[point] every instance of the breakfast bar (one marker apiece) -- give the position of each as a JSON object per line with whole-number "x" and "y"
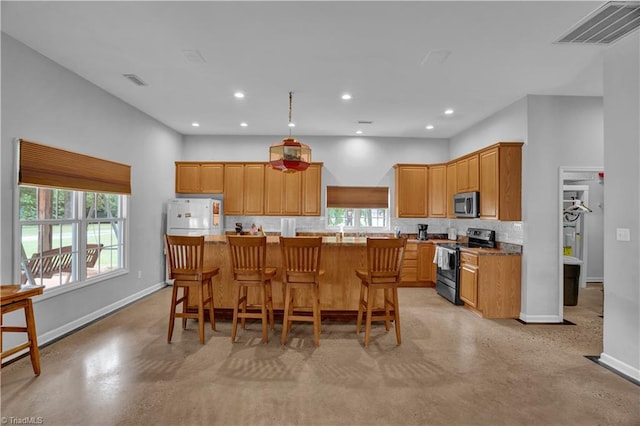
{"x": 339, "y": 287}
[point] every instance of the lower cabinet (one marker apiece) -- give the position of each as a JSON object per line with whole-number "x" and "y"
{"x": 418, "y": 269}
{"x": 490, "y": 284}
{"x": 469, "y": 279}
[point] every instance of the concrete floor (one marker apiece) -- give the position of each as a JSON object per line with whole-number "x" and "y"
{"x": 453, "y": 368}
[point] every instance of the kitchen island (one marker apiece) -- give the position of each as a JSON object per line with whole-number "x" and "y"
{"x": 339, "y": 286}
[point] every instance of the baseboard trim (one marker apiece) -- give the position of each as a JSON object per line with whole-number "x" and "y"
{"x": 632, "y": 373}
{"x": 543, "y": 319}
{"x": 73, "y": 326}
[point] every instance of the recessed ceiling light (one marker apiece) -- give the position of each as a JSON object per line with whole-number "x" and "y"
{"x": 358, "y": 132}
{"x": 195, "y": 124}
{"x": 346, "y": 96}
{"x": 448, "y": 111}
{"x": 429, "y": 127}
{"x": 243, "y": 124}
{"x": 239, "y": 95}
{"x": 292, "y": 124}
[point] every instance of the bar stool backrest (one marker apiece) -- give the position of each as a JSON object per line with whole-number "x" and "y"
{"x": 248, "y": 257}
{"x": 384, "y": 259}
{"x": 301, "y": 258}
{"x": 186, "y": 257}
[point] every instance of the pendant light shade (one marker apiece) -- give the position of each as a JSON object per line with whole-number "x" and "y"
{"x": 289, "y": 155}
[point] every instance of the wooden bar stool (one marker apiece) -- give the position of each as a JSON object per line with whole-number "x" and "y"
{"x": 301, "y": 258}
{"x": 186, "y": 267}
{"x": 384, "y": 259}
{"x": 248, "y": 261}
{"x": 16, "y": 297}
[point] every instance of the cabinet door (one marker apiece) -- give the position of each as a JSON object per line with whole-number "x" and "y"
{"x": 187, "y": 178}
{"x": 211, "y": 178}
{"x": 254, "y": 189}
{"x": 273, "y": 191}
{"x": 409, "y": 271}
{"x": 426, "y": 267}
{"x": 469, "y": 284}
{"x": 467, "y": 174}
{"x": 452, "y": 187}
{"x": 233, "y": 189}
{"x": 489, "y": 184}
{"x": 292, "y": 194}
{"x": 411, "y": 191}
{"x": 437, "y": 178}
{"x": 473, "y": 176}
{"x": 311, "y": 189}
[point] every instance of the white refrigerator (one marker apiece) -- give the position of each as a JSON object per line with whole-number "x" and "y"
{"x": 195, "y": 216}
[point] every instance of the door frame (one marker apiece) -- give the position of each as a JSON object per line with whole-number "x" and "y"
{"x": 561, "y": 171}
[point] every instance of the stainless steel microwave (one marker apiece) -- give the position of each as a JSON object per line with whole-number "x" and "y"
{"x": 466, "y": 204}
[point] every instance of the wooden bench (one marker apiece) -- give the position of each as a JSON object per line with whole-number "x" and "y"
{"x": 58, "y": 261}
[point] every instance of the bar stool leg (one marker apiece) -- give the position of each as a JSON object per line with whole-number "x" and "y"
{"x": 285, "y": 319}
{"x": 201, "y": 314}
{"x": 371, "y": 294}
{"x": 33, "y": 337}
{"x": 172, "y": 314}
{"x": 212, "y": 318}
{"x": 396, "y": 310}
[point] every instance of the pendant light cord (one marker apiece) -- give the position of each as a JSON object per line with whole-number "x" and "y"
{"x": 290, "y": 107}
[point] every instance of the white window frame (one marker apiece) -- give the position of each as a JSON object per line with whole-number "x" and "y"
{"x": 356, "y": 220}
{"x": 81, "y": 222}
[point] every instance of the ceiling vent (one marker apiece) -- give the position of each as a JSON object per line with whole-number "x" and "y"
{"x": 364, "y": 122}
{"x": 135, "y": 79}
{"x": 607, "y": 24}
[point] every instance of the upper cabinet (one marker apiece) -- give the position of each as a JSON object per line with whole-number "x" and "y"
{"x": 234, "y": 189}
{"x": 452, "y": 186}
{"x": 282, "y": 193}
{"x": 411, "y": 190}
{"x": 254, "y": 188}
{"x": 437, "y": 193}
{"x": 467, "y": 174}
{"x": 501, "y": 182}
{"x": 312, "y": 190}
{"x": 199, "y": 178}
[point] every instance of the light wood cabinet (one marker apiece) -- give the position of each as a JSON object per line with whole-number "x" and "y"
{"x": 418, "y": 269}
{"x": 411, "y": 190}
{"x": 409, "y": 271}
{"x": 427, "y": 270}
{"x": 311, "y": 190}
{"x": 199, "y": 178}
{"x": 452, "y": 187}
{"x": 501, "y": 182}
{"x": 490, "y": 284}
{"x": 469, "y": 279}
{"x": 437, "y": 200}
{"x": 467, "y": 173}
{"x": 234, "y": 189}
{"x": 282, "y": 193}
{"x": 244, "y": 189}
{"x": 254, "y": 189}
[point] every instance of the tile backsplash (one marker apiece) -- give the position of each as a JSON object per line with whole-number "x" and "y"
{"x": 506, "y": 232}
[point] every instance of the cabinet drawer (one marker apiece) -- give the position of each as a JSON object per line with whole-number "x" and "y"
{"x": 468, "y": 258}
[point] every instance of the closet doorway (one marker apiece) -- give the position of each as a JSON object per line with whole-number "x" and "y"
{"x": 581, "y": 236}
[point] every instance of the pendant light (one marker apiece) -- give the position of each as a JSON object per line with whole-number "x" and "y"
{"x": 289, "y": 155}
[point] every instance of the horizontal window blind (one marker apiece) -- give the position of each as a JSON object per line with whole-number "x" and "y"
{"x": 358, "y": 197}
{"x": 42, "y": 165}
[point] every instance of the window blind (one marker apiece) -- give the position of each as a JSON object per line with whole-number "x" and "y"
{"x": 358, "y": 197}
{"x": 42, "y": 165}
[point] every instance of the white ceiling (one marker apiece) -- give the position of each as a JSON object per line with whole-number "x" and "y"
{"x": 377, "y": 51}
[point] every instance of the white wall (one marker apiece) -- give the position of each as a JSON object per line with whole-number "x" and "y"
{"x": 622, "y": 197}
{"x": 44, "y": 102}
{"x": 562, "y": 131}
{"x": 557, "y": 130}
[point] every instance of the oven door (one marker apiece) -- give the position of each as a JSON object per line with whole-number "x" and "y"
{"x": 448, "y": 279}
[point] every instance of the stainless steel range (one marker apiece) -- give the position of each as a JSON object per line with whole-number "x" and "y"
{"x": 448, "y": 260}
